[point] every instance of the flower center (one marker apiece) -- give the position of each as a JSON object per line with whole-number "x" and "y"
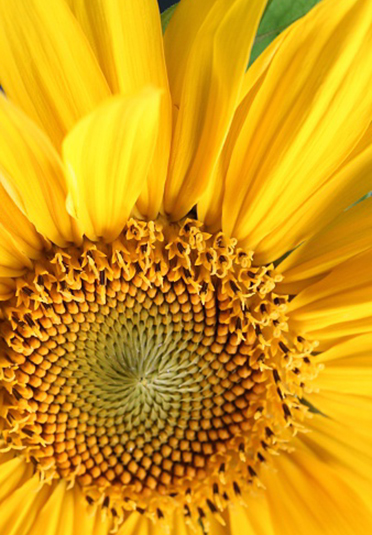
{"x": 151, "y": 368}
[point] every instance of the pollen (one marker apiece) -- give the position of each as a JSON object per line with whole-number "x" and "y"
{"x": 157, "y": 371}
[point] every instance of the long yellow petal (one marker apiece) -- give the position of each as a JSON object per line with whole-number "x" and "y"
{"x": 346, "y": 448}
{"x": 351, "y": 181}
{"x": 88, "y": 518}
{"x": 349, "y": 234}
{"x": 20, "y": 509}
{"x": 18, "y": 226}
{"x": 107, "y": 157}
{"x": 348, "y": 367}
{"x": 308, "y": 496}
{"x": 311, "y": 110}
{"x": 31, "y": 172}
{"x": 337, "y": 306}
{"x": 210, "y": 205}
{"x": 207, "y": 47}
{"x": 12, "y": 261}
{"x": 133, "y": 525}
{"x": 127, "y": 39}
{"x": 14, "y": 472}
{"x": 47, "y": 66}
{"x": 254, "y": 519}
{"x": 342, "y": 392}
{"x": 55, "y": 516}
{"x": 7, "y": 288}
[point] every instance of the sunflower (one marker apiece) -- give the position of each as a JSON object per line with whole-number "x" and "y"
{"x": 185, "y": 271}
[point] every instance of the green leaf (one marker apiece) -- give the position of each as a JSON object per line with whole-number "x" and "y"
{"x": 278, "y": 15}
{"x": 166, "y": 16}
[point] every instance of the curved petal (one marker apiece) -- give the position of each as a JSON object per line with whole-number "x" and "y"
{"x": 308, "y": 496}
{"x": 47, "y": 66}
{"x": 108, "y": 155}
{"x": 311, "y": 110}
{"x": 31, "y": 172}
{"x": 127, "y": 39}
{"x": 341, "y": 433}
{"x": 7, "y": 288}
{"x": 349, "y": 234}
{"x": 22, "y": 231}
{"x": 56, "y": 517}
{"x": 12, "y": 261}
{"x": 205, "y": 83}
{"x": 348, "y": 371}
{"x": 254, "y": 519}
{"x": 210, "y": 204}
{"x": 337, "y": 306}
{"x": 351, "y": 181}
{"x": 20, "y": 508}
{"x": 28, "y": 508}
{"x": 14, "y": 472}
{"x": 345, "y": 449}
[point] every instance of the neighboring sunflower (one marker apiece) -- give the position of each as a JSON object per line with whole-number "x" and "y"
{"x": 166, "y": 366}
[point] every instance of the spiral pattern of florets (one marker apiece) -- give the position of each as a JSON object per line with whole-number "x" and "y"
{"x": 151, "y": 369}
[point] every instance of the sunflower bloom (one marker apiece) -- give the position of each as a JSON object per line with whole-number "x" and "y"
{"x": 166, "y": 366}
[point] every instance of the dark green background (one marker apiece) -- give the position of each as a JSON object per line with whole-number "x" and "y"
{"x": 166, "y": 3}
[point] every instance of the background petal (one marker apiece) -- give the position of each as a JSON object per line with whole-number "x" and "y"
{"x": 349, "y": 234}
{"x": 31, "y": 172}
{"x": 313, "y": 107}
{"x": 47, "y": 66}
{"x": 200, "y": 42}
{"x": 127, "y": 39}
{"x": 337, "y": 306}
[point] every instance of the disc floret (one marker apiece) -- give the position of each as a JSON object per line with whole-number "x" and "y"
{"x": 157, "y": 371}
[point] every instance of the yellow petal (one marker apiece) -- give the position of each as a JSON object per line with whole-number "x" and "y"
{"x": 127, "y": 39}
{"x": 88, "y": 519}
{"x": 14, "y": 472}
{"x": 56, "y": 517}
{"x": 348, "y": 368}
{"x": 254, "y": 519}
{"x": 349, "y": 234}
{"x": 47, "y": 66}
{"x": 210, "y": 205}
{"x": 17, "y": 225}
{"x": 311, "y": 110}
{"x": 12, "y": 261}
{"x": 351, "y": 181}
{"x": 7, "y": 288}
{"x": 31, "y": 172}
{"x": 135, "y": 524}
{"x": 107, "y": 156}
{"x": 20, "y": 509}
{"x": 343, "y": 447}
{"x": 339, "y": 305}
{"x": 207, "y": 47}
{"x": 309, "y": 496}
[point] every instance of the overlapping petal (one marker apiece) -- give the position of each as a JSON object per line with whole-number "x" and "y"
{"x": 26, "y": 506}
{"x": 108, "y": 156}
{"x": 32, "y": 175}
{"x": 337, "y": 306}
{"x": 307, "y": 495}
{"x": 47, "y": 65}
{"x": 313, "y": 107}
{"x": 205, "y": 85}
{"x": 349, "y": 234}
{"x": 126, "y": 37}
{"x": 210, "y": 204}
